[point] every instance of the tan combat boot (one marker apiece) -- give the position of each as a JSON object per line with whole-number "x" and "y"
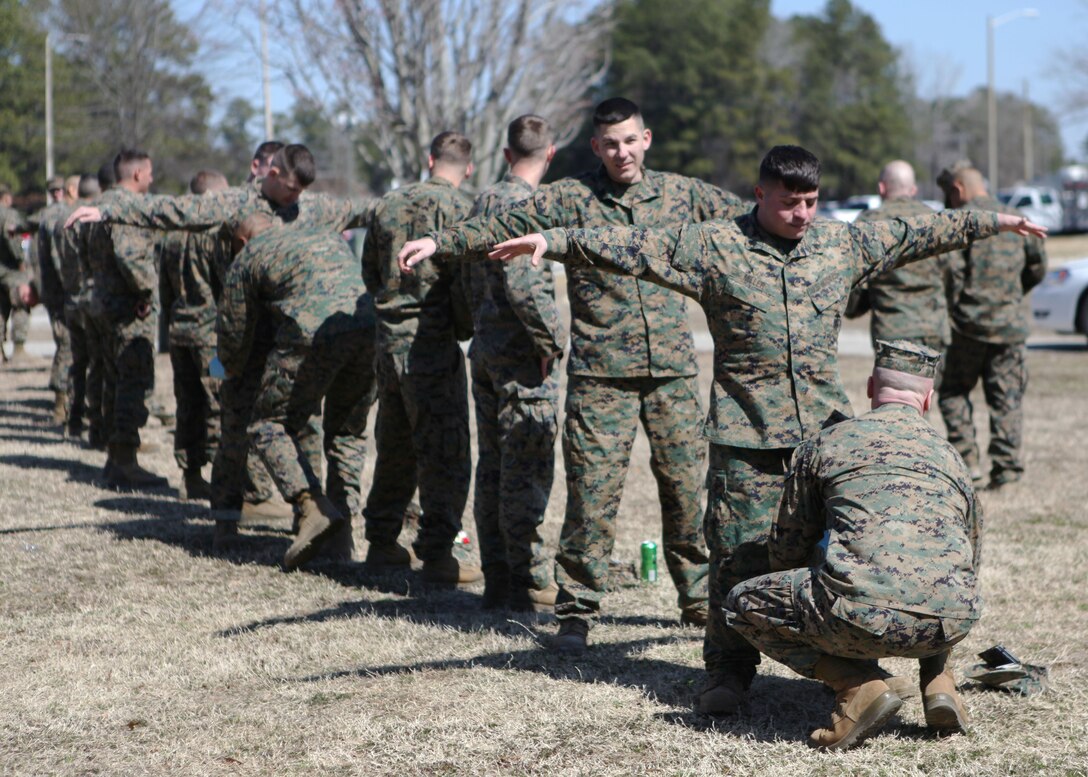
{"x": 723, "y": 693}
{"x": 863, "y": 703}
{"x": 60, "y": 408}
{"x": 318, "y": 518}
{"x": 391, "y": 555}
{"x": 572, "y": 637}
{"x": 695, "y": 615}
{"x": 268, "y": 510}
{"x": 941, "y": 702}
{"x": 451, "y": 570}
{"x": 529, "y": 599}
{"x": 196, "y": 487}
{"x": 340, "y": 546}
{"x": 125, "y": 472}
{"x": 225, "y": 537}
{"x": 19, "y": 354}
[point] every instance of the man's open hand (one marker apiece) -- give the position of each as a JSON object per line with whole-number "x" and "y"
{"x": 1007, "y": 222}
{"x": 533, "y": 244}
{"x": 414, "y": 252}
{"x": 83, "y": 213}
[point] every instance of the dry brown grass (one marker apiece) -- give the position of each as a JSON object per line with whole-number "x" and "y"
{"x": 128, "y": 648}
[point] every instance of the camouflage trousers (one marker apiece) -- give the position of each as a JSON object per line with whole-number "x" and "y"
{"x": 129, "y": 370}
{"x": 516, "y": 426}
{"x": 602, "y": 418}
{"x": 745, "y": 486}
{"x": 791, "y": 618}
{"x": 13, "y": 315}
{"x": 1004, "y": 375}
{"x": 422, "y": 439}
{"x": 196, "y": 435}
{"x": 62, "y": 356}
{"x": 340, "y": 371}
{"x": 86, "y": 378}
{"x": 238, "y": 474}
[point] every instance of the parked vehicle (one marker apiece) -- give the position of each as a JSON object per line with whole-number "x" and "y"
{"x": 1060, "y": 302}
{"x": 848, "y": 209}
{"x": 1040, "y": 204}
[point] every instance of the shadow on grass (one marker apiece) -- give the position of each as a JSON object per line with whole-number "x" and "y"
{"x": 45, "y": 437}
{"x": 78, "y": 472}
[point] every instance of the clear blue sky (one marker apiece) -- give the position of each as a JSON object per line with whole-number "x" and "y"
{"x": 943, "y": 40}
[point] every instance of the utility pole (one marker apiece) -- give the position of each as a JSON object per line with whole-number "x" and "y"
{"x": 1029, "y": 137}
{"x": 265, "y": 77}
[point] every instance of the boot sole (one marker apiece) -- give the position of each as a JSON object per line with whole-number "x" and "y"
{"x": 943, "y": 714}
{"x": 871, "y": 720}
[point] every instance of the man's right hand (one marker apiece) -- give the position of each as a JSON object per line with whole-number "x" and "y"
{"x": 83, "y": 213}
{"x": 414, "y": 252}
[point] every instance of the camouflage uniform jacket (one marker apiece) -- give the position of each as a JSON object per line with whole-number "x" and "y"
{"x": 12, "y": 265}
{"x": 67, "y": 243}
{"x": 303, "y": 282}
{"x": 193, "y": 266}
{"x": 895, "y": 503}
{"x": 990, "y": 281}
{"x": 419, "y": 314}
{"x": 908, "y": 302}
{"x": 621, "y": 327}
{"x": 50, "y": 288}
{"x": 515, "y": 318}
{"x": 774, "y": 307}
{"x": 224, "y": 210}
{"x": 122, "y": 261}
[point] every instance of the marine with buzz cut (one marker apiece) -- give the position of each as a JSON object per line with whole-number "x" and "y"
{"x": 908, "y": 302}
{"x": 874, "y": 552}
{"x": 421, "y": 433}
{"x": 517, "y": 343}
{"x": 773, "y": 284}
{"x": 632, "y": 362}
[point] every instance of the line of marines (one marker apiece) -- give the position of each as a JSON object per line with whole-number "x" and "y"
{"x": 776, "y": 563}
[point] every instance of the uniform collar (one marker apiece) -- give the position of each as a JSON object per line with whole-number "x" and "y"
{"x": 649, "y": 188}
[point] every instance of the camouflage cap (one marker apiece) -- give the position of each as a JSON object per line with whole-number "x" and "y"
{"x": 54, "y": 183}
{"x": 948, "y": 174}
{"x": 911, "y": 358}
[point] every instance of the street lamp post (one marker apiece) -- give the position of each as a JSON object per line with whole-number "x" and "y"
{"x": 992, "y": 22}
{"x": 49, "y": 36}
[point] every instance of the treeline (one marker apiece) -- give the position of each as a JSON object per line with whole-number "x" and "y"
{"x": 718, "y": 80}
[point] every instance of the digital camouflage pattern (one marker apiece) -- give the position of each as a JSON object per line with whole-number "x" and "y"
{"x": 13, "y": 274}
{"x": 774, "y": 309}
{"x": 877, "y": 547}
{"x": 193, "y": 266}
{"x": 620, "y": 327}
{"x": 990, "y": 283}
{"x": 84, "y": 380}
{"x": 224, "y": 210}
{"x": 516, "y": 323}
{"x": 908, "y": 302}
{"x": 306, "y": 284}
{"x": 51, "y": 291}
{"x": 123, "y": 262}
{"x": 422, "y": 427}
{"x": 991, "y": 280}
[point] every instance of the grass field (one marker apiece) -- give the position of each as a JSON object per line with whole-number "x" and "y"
{"x": 128, "y": 648}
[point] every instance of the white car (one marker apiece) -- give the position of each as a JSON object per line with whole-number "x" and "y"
{"x": 848, "y": 210}
{"x": 1041, "y": 205}
{"x": 1060, "y": 302}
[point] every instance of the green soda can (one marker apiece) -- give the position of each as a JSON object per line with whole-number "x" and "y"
{"x": 649, "y": 562}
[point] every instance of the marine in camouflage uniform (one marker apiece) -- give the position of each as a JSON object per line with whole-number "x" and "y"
{"x": 123, "y": 261}
{"x": 774, "y": 305}
{"x": 988, "y": 297}
{"x": 193, "y": 266}
{"x": 283, "y": 197}
{"x": 51, "y": 294}
{"x": 305, "y": 284}
{"x": 13, "y": 274}
{"x": 515, "y": 384}
{"x": 876, "y": 545}
{"x": 632, "y": 361}
{"x": 911, "y": 302}
{"x": 422, "y": 434}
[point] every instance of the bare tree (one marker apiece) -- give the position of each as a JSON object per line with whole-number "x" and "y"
{"x": 401, "y": 71}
